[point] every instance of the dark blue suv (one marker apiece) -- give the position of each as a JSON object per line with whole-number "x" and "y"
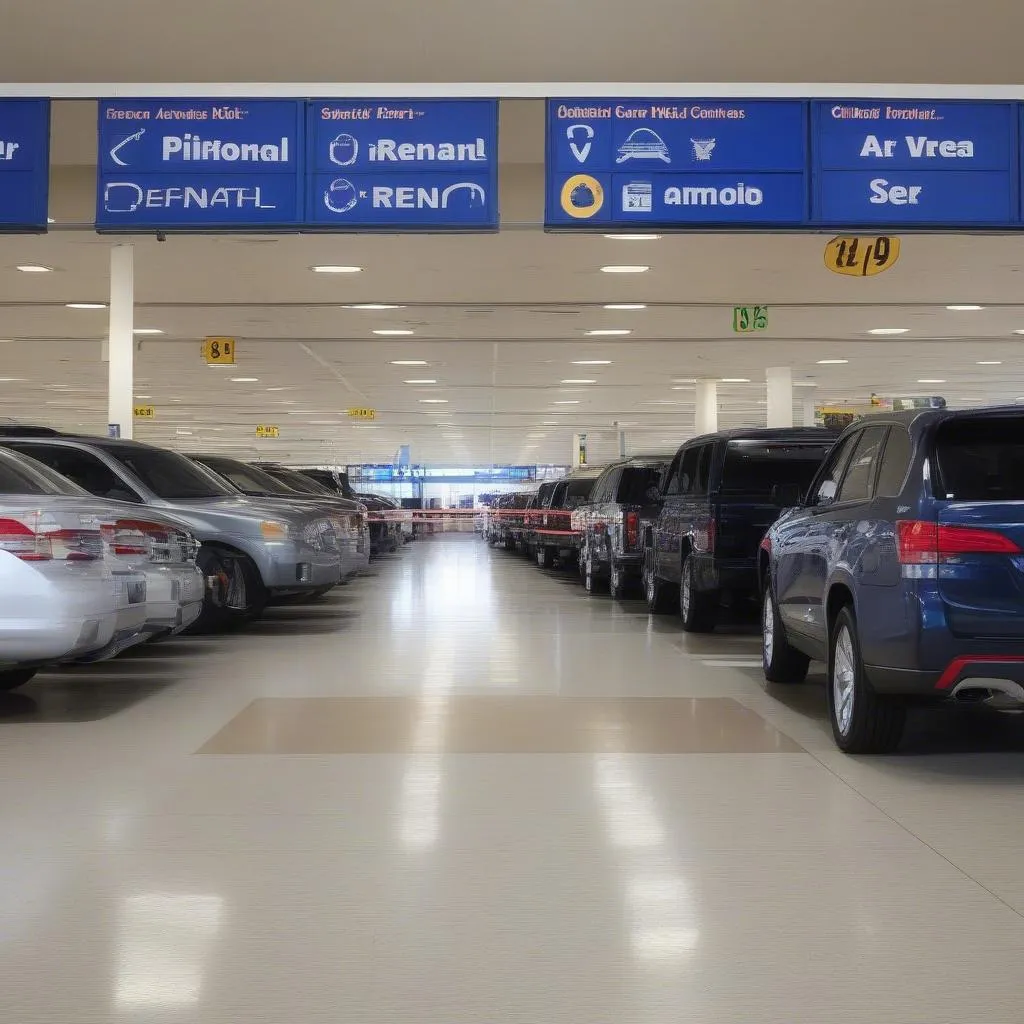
{"x": 903, "y": 571}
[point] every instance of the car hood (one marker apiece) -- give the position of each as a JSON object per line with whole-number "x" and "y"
{"x": 215, "y": 515}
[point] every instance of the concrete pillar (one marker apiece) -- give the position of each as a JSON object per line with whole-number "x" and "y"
{"x": 780, "y": 396}
{"x": 809, "y": 404}
{"x": 121, "y": 341}
{"x": 706, "y": 413}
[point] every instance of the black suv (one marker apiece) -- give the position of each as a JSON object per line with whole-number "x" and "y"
{"x": 720, "y": 494}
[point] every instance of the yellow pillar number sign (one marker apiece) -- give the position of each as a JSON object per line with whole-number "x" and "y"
{"x": 362, "y": 414}
{"x": 861, "y": 256}
{"x": 267, "y": 430}
{"x": 145, "y": 412}
{"x": 219, "y": 350}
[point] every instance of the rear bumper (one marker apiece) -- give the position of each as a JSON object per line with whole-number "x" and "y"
{"x": 964, "y": 672}
{"x": 172, "y": 593}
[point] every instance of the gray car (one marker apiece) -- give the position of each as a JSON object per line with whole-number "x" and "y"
{"x": 251, "y": 549}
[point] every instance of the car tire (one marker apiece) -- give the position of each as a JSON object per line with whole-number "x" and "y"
{"x": 863, "y": 722}
{"x": 591, "y": 576}
{"x": 545, "y": 557}
{"x": 659, "y": 597}
{"x": 698, "y": 609}
{"x": 617, "y": 581}
{"x": 15, "y": 677}
{"x": 781, "y": 662}
{"x": 229, "y": 610}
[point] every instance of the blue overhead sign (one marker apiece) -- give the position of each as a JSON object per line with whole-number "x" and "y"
{"x": 24, "y": 164}
{"x": 200, "y": 165}
{"x": 402, "y": 165}
{"x": 676, "y": 163}
{"x": 897, "y": 163}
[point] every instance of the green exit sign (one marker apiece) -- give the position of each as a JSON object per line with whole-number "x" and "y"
{"x": 748, "y": 319}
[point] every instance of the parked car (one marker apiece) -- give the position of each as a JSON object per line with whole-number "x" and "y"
{"x": 903, "y": 570}
{"x": 506, "y": 521}
{"x": 553, "y": 536}
{"x": 349, "y": 517}
{"x": 625, "y": 495}
{"x": 250, "y": 548}
{"x": 721, "y": 493}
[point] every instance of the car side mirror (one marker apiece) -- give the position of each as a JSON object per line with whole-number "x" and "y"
{"x": 826, "y": 493}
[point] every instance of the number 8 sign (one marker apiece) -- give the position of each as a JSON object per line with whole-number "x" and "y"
{"x": 219, "y": 350}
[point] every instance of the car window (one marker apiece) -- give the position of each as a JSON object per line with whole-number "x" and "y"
{"x": 19, "y": 477}
{"x": 83, "y": 468}
{"x": 248, "y": 479}
{"x": 757, "y": 469}
{"x": 702, "y": 481}
{"x": 635, "y": 484}
{"x": 607, "y": 483}
{"x": 688, "y": 470}
{"x": 577, "y": 492}
{"x": 858, "y": 483}
{"x": 169, "y": 475}
{"x": 895, "y": 463}
{"x": 980, "y": 459}
{"x": 826, "y": 486}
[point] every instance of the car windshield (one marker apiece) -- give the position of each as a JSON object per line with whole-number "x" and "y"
{"x": 297, "y": 481}
{"x": 169, "y": 475}
{"x": 636, "y": 482}
{"x": 754, "y": 468}
{"x": 577, "y": 491}
{"x": 248, "y": 479}
{"x": 17, "y": 476}
{"x": 980, "y": 459}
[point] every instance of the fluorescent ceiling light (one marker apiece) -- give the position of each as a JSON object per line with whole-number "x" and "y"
{"x": 578, "y": 380}
{"x": 184, "y": 433}
{"x": 591, "y": 362}
{"x": 832, "y": 362}
{"x": 931, "y": 380}
{"x": 408, "y": 362}
{"x": 734, "y": 380}
{"x": 35, "y": 268}
{"x": 567, "y": 401}
{"x": 393, "y": 332}
{"x": 625, "y": 305}
{"x": 805, "y": 384}
{"x": 245, "y": 380}
{"x": 137, "y": 396}
{"x": 681, "y": 387}
{"x": 990, "y": 362}
{"x": 634, "y": 237}
{"x": 434, "y": 401}
{"x": 86, "y": 305}
{"x": 335, "y": 269}
{"x": 624, "y": 269}
{"x": 536, "y": 437}
{"x": 12, "y": 380}
{"x": 372, "y": 305}
{"x": 550, "y": 423}
{"x": 609, "y": 332}
{"x": 147, "y": 330}
{"x": 291, "y": 388}
{"x": 684, "y": 380}
{"x": 424, "y": 380}
{"x": 889, "y": 330}
{"x": 964, "y": 309}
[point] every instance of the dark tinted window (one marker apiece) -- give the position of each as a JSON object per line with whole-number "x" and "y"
{"x": 980, "y": 459}
{"x": 248, "y": 479}
{"x": 687, "y": 471}
{"x": 702, "y": 481}
{"x": 17, "y": 477}
{"x": 83, "y": 468}
{"x": 895, "y": 463}
{"x": 635, "y": 482}
{"x": 169, "y": 475}
{"x": 577, "y": 491}
{"x": 753, "y": 468}
{"x": 607, "y": 484}
{"x": 858, "y": 483}
{"x": 827, "y": 484}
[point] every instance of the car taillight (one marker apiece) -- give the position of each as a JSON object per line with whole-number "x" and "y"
{"x": 632, "y": 530}
{"x": 37, "y": 543}
{"x": 125, "y": 537}
{"x": 921, "y": 543}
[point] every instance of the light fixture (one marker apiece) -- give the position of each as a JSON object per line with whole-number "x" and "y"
{"x": 634, "y": 238}
{"x": 889, "y": 330}
{"x": 805, "y": 384}
{"x": 681, "y": 387}
{"x": 734, "y": 380}
{"x": 964, "y": 309}
{"x": 184, "y": 433}
{"x": 832, "y": 362}
{"x": 567, "y": 401}
{"x": 372, "y": 305}
{"x": 609, "y": 332}
{"x": 335, "y": 269}
{"x": 137, "y": 396}
{"x": 990, "y": 362}
{"x": 549, "y": 423}
{"x": 591, "y": 362}
{"x": 434, "y": 401}
{"x": 291, "y": 388}
{"x": 1018, "y": 332}
{"x": 931, "y": 380}
{"x": 684, "y": 380}
{"x": 408, "y": 362}
{"x": 147, "y": 330}
{"x": 578, "y": 380}
{"x": 34, "y": 268}
{"x": 424, "y": 380}
{"x": 85, "y": 305}
{"x": 245, "y": 380}
{"x": 12, "y": 380}
{"x": 393, "y": 332}
{"x": 624, "y": 269}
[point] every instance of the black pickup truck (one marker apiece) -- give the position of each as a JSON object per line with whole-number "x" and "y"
{"x": 552, "y": 535}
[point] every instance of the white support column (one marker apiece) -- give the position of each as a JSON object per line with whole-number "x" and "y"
{"x": 121, "y": 340}
{"x": 809, "y": 412}
{"x": 780, "y": 396}
{"x": 706, "y": 413}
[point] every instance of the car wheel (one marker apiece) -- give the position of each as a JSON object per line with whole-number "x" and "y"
{"x": 617, "y": 581}
{"x": 238, "y": 595}
{"x": 863, "y": 722}
{"x": 781, "y": 662}
{"x": 697, "y": 609}
{"x": 659, "y": 597}
{"x": 15, "y": 677}
{"x": 591, "y": 576}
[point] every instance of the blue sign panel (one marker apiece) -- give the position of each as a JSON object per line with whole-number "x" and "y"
{"x": 24, "y": 164}
{"x": 676, "y": 163}
{"x": 199, "y": 165}
{"x": 892, "y": 163}
{"x": 402, "y": 165}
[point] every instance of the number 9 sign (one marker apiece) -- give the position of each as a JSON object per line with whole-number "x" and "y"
{"x": 854, "y": 256}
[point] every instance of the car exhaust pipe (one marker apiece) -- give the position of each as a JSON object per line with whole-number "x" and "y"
{"x": 996, "y": 693}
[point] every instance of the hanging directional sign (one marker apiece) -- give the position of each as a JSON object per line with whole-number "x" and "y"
{"x": 24, "y": 164}
{"x": 676, "y": 163}
{"x": 748, "y": 319}
{"x": 219, "y": 351}
{"x": 362, "y": 414}
{"x": 853, "y": 256}
{"x": 267, "y": 430}
{"x": 199, "y": 165}
{"x": 402, "y": 165}
{"x": 894, "y": 163}
{"x": 144, "y": 412}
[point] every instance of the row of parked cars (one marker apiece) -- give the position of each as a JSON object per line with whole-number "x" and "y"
{"x": 893, "y": 553}
{"x": 106, "y": 543}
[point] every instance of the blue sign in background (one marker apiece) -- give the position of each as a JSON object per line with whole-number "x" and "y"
{"x": 893, "y": 163}
{"x": 200, "y": 164}
{"x": 402, "y": 164}
{"x": 676, "y": 163}
{"x": 24, "y": 164}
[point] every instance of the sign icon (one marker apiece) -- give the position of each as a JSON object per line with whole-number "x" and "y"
{"x": 219, "y": 351}
{"x": 361, "y": 414}
{"x": 643, "y": 144}
{"x": 582, "y": 196}
{"x": 144, "y": 412}
{"x": 703, "y": 148}
{"x": 124, "y": 142}
{"x": 637, "y": 197}
{"x": 587, "y": 132}
{"x": 341, "y": 196}
{"x": 343, "y": 150}
{"x": 267, "y": 430}
{"x": 854, "y": 256}
{"x": 748, "y": 319}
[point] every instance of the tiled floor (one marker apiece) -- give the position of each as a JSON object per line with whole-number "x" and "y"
{"x": 463, "y": 791}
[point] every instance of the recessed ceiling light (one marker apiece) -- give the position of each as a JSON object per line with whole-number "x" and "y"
{"x": 424, "y": 380}
{"x": 567, "y": 401}
{"x": 610, "y": 332}
{"x": 12, "y": 380}
{"x": 889, "y": 330}
{"x": 735, "y": 380}
{"x": 147, "y": 330}
{"x": 625, "y": 305}
{"x": 624, "y": 269}
{"x": 292, "y": 388}
{"x": 990, "y": 362}
{"x": 86, "y": 305}
{"x": 591, "y": 362}
{"x": 434, "y": 401}
{"x": 137, "y": 396}
{"x": 35, "y": 268}
{"x": 184, "y": 433}
{"x": 964, "y": 309}
{"x": 550, "y": 423}
{"x": 536, "y": 437}
{"x": 578, "y": 380}
{"x": 634, "y": 237}
{"x": 372, "y": 305}
{"x": 682, "y": 387}
{"x": 393, "y": 332}
{"x": 931, "y": 380}
{"x": 408, "y": 362}
{"x": 832, "y": 362}
{"x": 684, "y": 380}
{"x": 245, "y": 380}
{"x": 805, "y": 384}
{"x": 335, "y": 269}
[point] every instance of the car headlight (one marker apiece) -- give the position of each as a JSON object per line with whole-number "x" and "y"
{"x": 273, "y": 530}
{"x": 320, "y": 535}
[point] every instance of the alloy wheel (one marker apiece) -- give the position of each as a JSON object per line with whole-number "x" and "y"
{"x": 768, "y": 628}
{"x": 844, "y": 678}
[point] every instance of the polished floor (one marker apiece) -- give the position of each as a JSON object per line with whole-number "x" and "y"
{"x": 460, "y": 790}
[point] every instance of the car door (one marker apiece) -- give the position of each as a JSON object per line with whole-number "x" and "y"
{"x": 677, "y": 515}
{"x": 660, "y": 530}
